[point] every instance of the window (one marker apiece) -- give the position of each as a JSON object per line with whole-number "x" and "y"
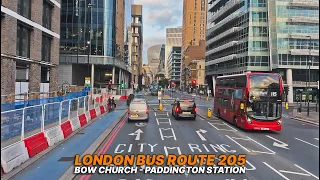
{"x": 47, "y": 14}
{"x": 24, "y": 8}
{"x": 23, "y": 41}
{"x": 259, "y": 17}
{"x": 46, "y": 48}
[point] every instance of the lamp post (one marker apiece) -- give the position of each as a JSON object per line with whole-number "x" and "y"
{"x": 308, "y": 109}
{"x": 309, "y": 59}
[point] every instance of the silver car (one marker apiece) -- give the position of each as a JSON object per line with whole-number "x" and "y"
{"x": 138, "y": 110}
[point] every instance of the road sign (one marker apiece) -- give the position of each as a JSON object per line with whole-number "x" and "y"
{"x": 87, "y": 81}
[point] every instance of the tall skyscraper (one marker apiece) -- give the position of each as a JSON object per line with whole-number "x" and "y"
{"x": 265, "y": 36}
{"x": 137, "y": 43}
{"x": 173, "y": 38}
{"x": 193, "y": 29}
{"x": 92, "y": 43}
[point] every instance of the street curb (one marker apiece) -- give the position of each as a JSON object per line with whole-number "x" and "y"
{"x": 303, "y": 120}
{"x": 23, "y": 166}
{"x": 94, "y": 146}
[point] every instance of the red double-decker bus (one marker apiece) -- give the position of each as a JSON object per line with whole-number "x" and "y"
{"x": 251, "y": 101}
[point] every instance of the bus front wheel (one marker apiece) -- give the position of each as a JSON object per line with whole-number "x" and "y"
{"x": 235, "y": 121}
{"x": 219, "y": 113}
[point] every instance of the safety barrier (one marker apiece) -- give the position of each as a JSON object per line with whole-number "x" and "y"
{"x": 28, "y": 131}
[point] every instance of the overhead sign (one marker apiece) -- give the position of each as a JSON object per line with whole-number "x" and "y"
{"x": 87, "y": 81}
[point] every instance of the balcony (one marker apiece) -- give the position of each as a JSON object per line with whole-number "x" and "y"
{"x": 229, "y": 5}
{"x": 222, "y": 59}
{"x": 135, "y": 34}
{"x": 220, "y": 48}
{"x": 135, "y": 43}
{"x": 210, "y": 6}
{"x": 301, "y": 3}
{"x": 304, "y": 52}
{"x": 224, "y": 21}
{"x": 228, "y": 32}
{"x": 302, "y": 19}
{"x": 304, "y": 36}
{"x": 136, "y": 24}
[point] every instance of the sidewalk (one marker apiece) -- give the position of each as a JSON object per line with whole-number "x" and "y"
{"x": 313, "y": 117}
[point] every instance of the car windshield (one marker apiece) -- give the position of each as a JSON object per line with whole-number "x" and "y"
{"x": 139, "y": 96}
{"x": 261, "y": 110}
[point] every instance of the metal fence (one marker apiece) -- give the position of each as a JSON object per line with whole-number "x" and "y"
{"x": 18, "y": 124}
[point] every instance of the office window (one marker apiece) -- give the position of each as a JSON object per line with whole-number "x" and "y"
{"x": 23, "y": 41}
{"x": 46, "y": 48}
{"x": 47, "y": 14}
{"x": 24, "y": 8}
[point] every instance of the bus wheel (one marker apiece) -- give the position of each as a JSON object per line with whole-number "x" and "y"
{"x": 219, "y": 113}
{"x": 235, "y": 121}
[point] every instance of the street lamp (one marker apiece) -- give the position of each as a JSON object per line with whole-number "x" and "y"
{"x": 88, "y": 44}
{"x": 309, "y": 64}
{"x": 309, "y": 59}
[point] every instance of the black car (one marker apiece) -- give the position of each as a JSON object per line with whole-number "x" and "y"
{"x": 184, "y": 108}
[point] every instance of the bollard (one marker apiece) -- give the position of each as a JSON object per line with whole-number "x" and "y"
{"x": 207, "y": 99}
{"x": 209, "y": 112}
{"x": 160, "y": 106}
{"x": 287, "y": 105}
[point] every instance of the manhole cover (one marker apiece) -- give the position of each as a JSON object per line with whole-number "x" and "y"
{"x": 65, "y": 159}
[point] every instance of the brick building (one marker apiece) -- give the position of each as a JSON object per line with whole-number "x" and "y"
{"x": 29, "y": 45}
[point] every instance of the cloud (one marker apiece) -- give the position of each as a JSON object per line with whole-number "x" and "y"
{"x": 161, "y": 18}
{"x": 153, "y": 3}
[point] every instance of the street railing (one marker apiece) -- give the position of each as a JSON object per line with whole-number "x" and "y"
{"x": 19, "y": 124}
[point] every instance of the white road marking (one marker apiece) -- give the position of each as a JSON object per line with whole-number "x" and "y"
{"x": 169, "y": 121}
{"x": 166, "y": 150}
{"x": 223, "y": 124}
{"x": 306, "y": 142}
{"x": 140, "y": 124}
{"x": 200, "y": 135}
{"x": 238, "y": 144}
{"x": 281, "y": 145}
{"x": 316, "y": 139}
{"x": 162, "y": 136}
{"x": 272, "y": 152}
{"x": 276, "y": 171}
{"x": 137, "y": 133}
{"x": 306, "y": 171}
{"x": 290, "y": 172}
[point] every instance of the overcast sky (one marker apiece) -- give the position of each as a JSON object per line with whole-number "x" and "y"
{"x": 157, "y": 16}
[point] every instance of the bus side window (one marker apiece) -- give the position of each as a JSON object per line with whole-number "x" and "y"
{"x": 238, "y": 94}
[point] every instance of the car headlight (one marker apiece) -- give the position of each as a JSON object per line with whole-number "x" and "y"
{"x": 279, "y": 121}
{"x": 249, "y": 120}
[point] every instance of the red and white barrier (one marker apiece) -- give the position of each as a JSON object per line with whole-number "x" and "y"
{"x": 13, "y": 156}
{"x": 16, "y": 154}
{"x": 54, "y": 135}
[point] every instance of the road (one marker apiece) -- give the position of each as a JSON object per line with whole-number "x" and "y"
{"x": 292, "y": 153}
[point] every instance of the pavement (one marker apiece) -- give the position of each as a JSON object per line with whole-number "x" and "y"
{"x": 270, "y": 155}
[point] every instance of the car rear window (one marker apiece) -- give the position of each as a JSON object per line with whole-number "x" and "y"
{"x": 186, "y": 103}
{"x": 138, "y": 106}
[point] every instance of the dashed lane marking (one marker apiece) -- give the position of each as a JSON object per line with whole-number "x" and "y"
{"x": 306, "y": 142}
{"x": 316, "y": 139}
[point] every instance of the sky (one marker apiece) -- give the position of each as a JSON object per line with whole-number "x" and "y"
{"x": 157, "y": 15}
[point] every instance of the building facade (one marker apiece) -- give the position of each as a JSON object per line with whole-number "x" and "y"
{"x": 197, "y": 71}
{"x": 90, "y": 43}
{"x": 196, "y": 52}
{"x": 174, "y": 64}
{"x": 193, "y": 29}
{"x": 30, "y": 33}
{"x": 279, "y": 36}
{"x": 137, "y": 43}
{"x": 153, "y": 55}
{"x": 173, "y": 38}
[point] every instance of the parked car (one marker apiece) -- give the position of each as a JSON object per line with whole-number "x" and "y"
{"x": 138, "y": 110}
{"x": 184, "y": 108}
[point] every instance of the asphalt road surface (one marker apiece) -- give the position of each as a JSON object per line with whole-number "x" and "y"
{"x": 291, "y": 154}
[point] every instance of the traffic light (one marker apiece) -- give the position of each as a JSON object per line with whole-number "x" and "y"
{"x": 172, "y": 84}
{"x": 122, "y": 85}
{"x": 194, "y": 82}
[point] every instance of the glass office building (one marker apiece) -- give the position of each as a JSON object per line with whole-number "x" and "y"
{"x": 264, "y": 36}
{"x": 81, "y": 22}
{"x": 88, "y": 43}
{"x": 174, "y": 64}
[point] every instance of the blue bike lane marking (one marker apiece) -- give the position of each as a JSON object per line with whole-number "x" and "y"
{"x": 49, "y": 167}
